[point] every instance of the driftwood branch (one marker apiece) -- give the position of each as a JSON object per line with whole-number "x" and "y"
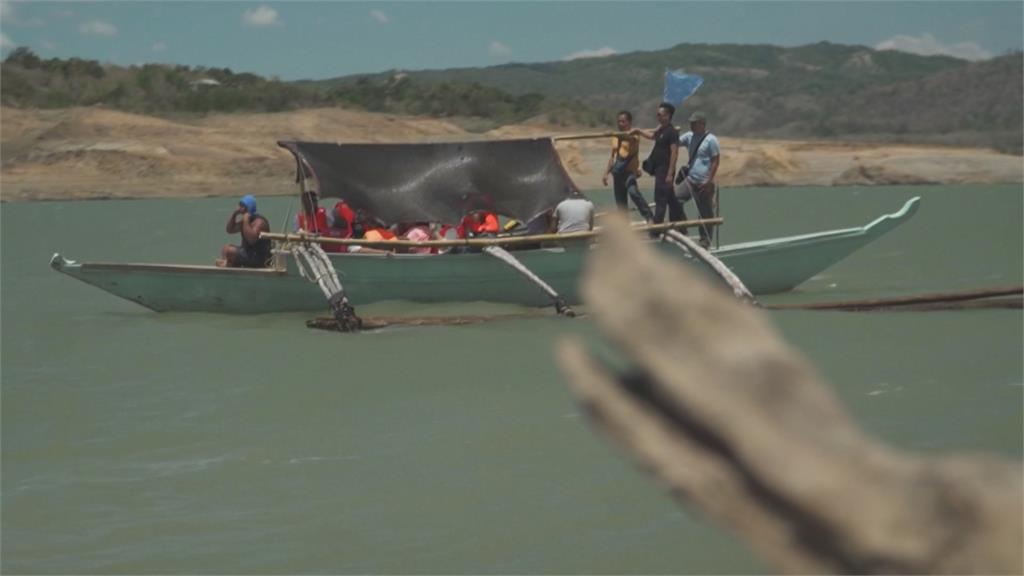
{"x": 735, "y": 422}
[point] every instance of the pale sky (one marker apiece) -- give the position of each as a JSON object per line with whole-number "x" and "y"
{"x": 302, "y": 39}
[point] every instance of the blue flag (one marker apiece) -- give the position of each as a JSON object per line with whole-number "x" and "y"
{"x": 680, "y": 86}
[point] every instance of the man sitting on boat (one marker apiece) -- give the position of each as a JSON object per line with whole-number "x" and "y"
{"x": 253, "y": 252}
{"x": 574, "y": 214}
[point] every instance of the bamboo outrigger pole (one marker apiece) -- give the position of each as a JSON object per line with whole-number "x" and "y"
{"x": 482, "y": 242}
{"x": 595, "y": 135}
{"x": 684, "y": 242}
{"x": 501, "y": 254}
{"x": 592, "y": 136}
{"x": 315, "y": 266}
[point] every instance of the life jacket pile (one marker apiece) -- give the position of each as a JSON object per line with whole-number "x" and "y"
{"x": 470, "y": 224}
{"x": 318, "y": 225}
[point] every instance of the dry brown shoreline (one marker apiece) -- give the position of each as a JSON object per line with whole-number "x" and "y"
{"x": 92, "y": 153}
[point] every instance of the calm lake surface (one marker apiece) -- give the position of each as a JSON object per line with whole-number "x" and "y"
{"x": 136, "y": 442}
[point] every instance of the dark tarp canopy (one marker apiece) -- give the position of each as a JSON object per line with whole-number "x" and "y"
{"x": 438, "y": 182}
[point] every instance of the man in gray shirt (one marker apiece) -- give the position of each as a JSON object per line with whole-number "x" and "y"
{"x": 574, "y": 214}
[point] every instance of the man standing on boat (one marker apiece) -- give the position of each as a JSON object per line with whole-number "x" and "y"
{"x": 662, "y": 164}
{"x": 699, "y": 173}
{"x": 624, "y": 167}
{"x": 253, "y": 252}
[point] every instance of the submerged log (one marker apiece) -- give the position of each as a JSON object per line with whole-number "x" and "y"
{"x": 1003, "y": 297}
{"x": 738, "y": 424}
{"x": 380, "y": 322}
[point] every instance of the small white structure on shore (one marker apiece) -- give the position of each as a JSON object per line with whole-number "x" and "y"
{"x": 204, "y": 83}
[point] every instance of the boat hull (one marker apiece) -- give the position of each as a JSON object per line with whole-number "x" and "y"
{"x": 766, "y": 267}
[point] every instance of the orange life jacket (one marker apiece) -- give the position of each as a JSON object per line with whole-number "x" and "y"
{"x": 385, "y": 234}
{"x": 470, "y": 223}
{"x": 490, "y": 223}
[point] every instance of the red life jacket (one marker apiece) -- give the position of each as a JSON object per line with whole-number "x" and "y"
{"x": 343, "y": 210}
{"x": 469, "y": 225}
{"x": 336, "y": 233}
{"x": 318, "y": 225}
{"x": 489, "y": 223}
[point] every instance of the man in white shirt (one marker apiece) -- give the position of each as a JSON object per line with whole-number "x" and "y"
{"x": 574, "y": 214}
{"x": 703, "y": 152}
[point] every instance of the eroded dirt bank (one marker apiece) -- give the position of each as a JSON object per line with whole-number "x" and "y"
{"x": 95, "y": 153}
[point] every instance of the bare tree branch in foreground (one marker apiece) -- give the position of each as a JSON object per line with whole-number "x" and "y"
{"x": 740, "y": 425}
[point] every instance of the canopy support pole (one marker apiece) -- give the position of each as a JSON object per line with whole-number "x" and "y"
{"x": 501, "y": 254}
{"x": 315, "y": 266}
{"x": 685, "y": 243}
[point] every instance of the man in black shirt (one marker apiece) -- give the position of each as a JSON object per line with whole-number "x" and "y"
{"x": 662, "y": 164}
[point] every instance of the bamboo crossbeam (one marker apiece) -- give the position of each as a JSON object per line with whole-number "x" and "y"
{"x": 590, "y": 136}
{"x": 480, "y": 242}
{"x": 595, "y": 135}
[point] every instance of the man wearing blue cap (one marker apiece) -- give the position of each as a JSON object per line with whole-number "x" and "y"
{"x": 253, "y": 252}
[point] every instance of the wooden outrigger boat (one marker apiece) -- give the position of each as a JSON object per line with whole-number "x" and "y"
{"x": 765, "y": 267}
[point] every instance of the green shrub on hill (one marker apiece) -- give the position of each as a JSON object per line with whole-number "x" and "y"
{"x": 400, "y": 95}
{"x": 30, "y": 81}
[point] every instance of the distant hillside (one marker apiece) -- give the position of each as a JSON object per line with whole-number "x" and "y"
{"x": 819, "y": 90}
{"x": 823, "y": 90}
{"x": 29, "y": 81}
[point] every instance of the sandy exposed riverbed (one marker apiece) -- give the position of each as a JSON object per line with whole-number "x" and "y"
{"x": 95, "y": 153}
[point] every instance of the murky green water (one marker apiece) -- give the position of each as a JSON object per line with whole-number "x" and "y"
{"x": 135, "y": 442}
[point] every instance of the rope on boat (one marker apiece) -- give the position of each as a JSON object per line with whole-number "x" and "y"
{"x": 685, "y": 243}
{"x": 501, "y": 254}
{"x": 314, "y": 265}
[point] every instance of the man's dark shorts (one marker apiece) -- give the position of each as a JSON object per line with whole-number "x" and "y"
{"x": 246, "y": 259}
